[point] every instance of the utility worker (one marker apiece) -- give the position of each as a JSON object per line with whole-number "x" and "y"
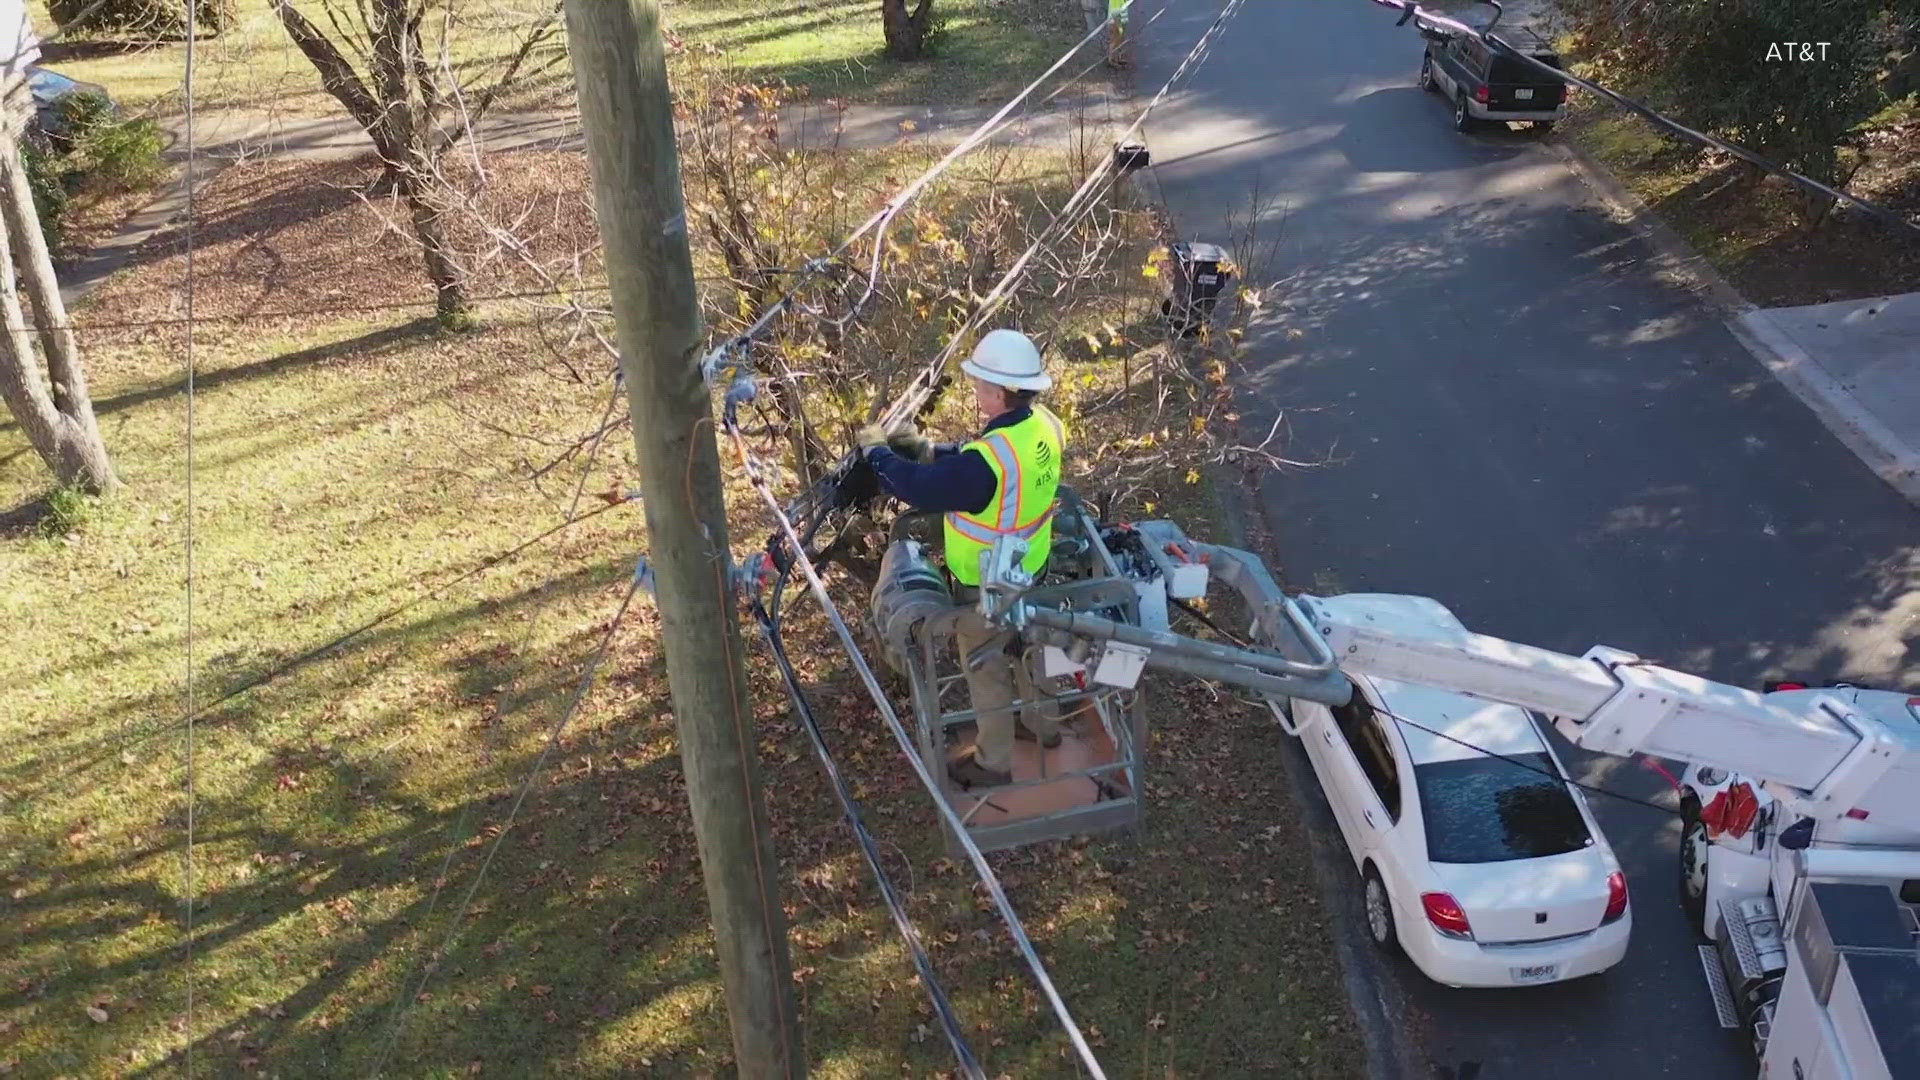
{"x": 1001, "y": 483}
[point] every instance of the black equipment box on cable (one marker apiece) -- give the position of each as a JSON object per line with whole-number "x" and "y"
{"x": 1200, "y": 275}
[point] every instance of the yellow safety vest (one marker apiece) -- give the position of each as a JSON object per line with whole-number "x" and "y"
{"x": 1117, "y": 9}
{"x": 1026, "y": 459}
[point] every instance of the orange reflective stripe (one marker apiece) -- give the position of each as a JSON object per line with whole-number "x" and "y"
{"x": 1034, "y": 525}
{"x": 1010, "y": 481}
{"x": 971, "y": 530}
{"x": 983, "y": 533}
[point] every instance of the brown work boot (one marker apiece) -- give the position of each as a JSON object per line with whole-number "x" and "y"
{"x": 1051, "y": 742}
{"x": 969, "y": 773}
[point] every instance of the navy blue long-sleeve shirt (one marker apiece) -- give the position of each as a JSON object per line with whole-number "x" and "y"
{"x": 957, "y": 481}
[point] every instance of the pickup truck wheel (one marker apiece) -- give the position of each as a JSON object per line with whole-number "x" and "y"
{"x": 1426, "y": 73}
{"x": 1693, "y": 865}
{"x": 1379, "y": 912}
{"x": 1462, "y": 116}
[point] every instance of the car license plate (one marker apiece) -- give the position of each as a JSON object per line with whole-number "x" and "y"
{"x": 1523, "y": 95}
{"x": 1536, "y": 973}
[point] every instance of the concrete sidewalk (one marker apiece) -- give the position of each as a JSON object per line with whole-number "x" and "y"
{"x": 241, "y": 134}
{"x": 230, "y": 136}
{"x": 1856, "y": 364}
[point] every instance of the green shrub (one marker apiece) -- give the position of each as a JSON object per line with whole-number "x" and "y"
{"x": 1720, "y": 66}
{"x": 46, "y": 177}
{"x": 120, "y": 153}
{"x": 140, "y": 18}
{"x": 81, "y": 113}
{"x": 68, "y": 510}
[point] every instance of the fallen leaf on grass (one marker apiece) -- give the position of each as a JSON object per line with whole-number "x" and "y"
{"x": 97, "y": 1014}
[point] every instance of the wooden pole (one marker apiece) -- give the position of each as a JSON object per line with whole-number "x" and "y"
{"x": 626, "y": 110}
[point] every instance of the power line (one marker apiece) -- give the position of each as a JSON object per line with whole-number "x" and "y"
{"x": 1413, "y": 10}
{"x": 952, "y": 820}
{"x": 850, "y": 810}
{"x": 1085, "y": 196}
{"x": 742, "y": 389}
{"x": 403, "y": 1000}
{"x": 192, "y": 791}
{"x": 881, "y": 221}
{"x": 580, "y": 693}
{"x": 1530, "y": 767}
{"x": 331, "y": 309}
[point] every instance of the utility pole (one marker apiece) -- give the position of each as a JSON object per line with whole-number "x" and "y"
{"x": 626, "y": 109}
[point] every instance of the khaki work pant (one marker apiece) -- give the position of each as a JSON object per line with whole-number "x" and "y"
{"x": 993, "y": 686}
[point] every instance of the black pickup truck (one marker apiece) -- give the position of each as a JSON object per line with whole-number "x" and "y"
{"x": 1484, "y": 83}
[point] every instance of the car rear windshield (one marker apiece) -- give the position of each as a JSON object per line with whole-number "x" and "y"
{"x": 1507, "y": 71}
{"x": 1490, "y": 809}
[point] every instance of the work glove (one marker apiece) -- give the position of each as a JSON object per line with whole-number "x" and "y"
{"x": 903, "y": 439}
{"x": 911, "y": 445}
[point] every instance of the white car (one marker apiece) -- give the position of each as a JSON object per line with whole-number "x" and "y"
{"x": 1486, "y": 870}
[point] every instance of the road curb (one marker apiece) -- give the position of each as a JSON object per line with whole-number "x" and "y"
{"x": 1889, "y": 456}
{"x": 1390, "y": 1048}
{"x": 1390, "y": 1051}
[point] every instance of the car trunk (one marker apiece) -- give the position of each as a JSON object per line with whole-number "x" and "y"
{"x": 1530, "y": 899}
{"x": 1513, "y": 86}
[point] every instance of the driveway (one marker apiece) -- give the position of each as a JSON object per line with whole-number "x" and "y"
{"x": 1523, "y": 422}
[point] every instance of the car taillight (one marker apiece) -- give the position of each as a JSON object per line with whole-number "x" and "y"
{"x": 1445, "y": 915}
{"x": 1482, "y": 94}
{"x": 1616, "y": 897}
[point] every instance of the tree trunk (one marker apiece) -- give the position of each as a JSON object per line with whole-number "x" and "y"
{"x": 428, "y": 209}
{"x": 906, "y": 31}
{"x": 405, "y": 99}
{"x": 397, "y": 113}
{"x": 54, "y": 411}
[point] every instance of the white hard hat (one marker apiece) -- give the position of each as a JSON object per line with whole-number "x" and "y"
{"x": 1008, "y": 358}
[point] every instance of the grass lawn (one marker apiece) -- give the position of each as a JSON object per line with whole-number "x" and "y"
{"x": 830, "y": 47}
{"x": 1752, "y": 236}
{"x": 346, "y": 463}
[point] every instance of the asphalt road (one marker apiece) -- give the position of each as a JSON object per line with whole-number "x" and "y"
{"x": 1521, "y": 421}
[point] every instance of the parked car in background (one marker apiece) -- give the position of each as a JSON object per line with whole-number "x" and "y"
{"x": 1485, "y": 84}
{"x": 55, "y": 96}
{"x": 1477, "y": 857}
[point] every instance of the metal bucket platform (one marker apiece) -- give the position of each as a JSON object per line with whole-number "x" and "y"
{"x": 1090, "y": 783}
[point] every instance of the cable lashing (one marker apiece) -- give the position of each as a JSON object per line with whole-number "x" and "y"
{"x": 930, "y": 379}
{"x": 882, "y": 219}
{"x": 727, "y": 363}
{"x": 952, "y": 820}
{"x": 1083, "y": 197}
{"x": 850, "y": 810}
